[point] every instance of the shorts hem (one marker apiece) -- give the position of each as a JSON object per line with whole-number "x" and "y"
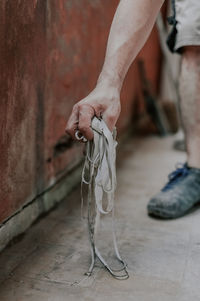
{"x": 194, "y": 41}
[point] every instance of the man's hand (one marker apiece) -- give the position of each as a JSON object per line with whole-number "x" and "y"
{"x": 104, "y": 102}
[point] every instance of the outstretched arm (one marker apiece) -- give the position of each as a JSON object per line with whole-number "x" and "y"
{"x": 131, "y": 26}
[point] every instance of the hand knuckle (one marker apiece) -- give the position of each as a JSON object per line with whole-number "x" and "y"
{"x": 82, "y": 107}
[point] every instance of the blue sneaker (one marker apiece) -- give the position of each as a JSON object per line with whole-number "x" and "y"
{"x": 179, "y": 195}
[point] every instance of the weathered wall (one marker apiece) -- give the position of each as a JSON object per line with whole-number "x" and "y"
{"x": 50, "y": 55}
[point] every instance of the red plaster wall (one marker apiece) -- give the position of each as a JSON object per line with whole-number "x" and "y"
{"x": 50, "y": 55}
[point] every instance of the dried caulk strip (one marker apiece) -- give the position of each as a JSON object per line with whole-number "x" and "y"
{"x": 99, "y": 174}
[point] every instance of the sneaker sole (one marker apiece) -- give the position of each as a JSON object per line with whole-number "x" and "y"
{"x": 164, "y": 214}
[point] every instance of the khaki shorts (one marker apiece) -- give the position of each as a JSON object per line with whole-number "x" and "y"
{"x": 186, "y": 31}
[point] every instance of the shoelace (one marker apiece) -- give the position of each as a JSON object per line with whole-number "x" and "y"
{"x": 99, "y": 174}
{"x": 181, "y": 171}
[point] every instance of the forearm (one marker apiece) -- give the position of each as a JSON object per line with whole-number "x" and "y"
{"x": 132, "y": 24}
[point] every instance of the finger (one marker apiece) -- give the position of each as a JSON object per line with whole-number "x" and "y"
{"x": 72, "y": 123}
{"x": 86, "y": 113}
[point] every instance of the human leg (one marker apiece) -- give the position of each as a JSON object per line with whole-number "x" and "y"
{"x": 182, "y": 191}
{"x": 189, "y": 90}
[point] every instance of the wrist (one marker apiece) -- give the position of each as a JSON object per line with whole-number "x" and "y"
{"x": 108, "y": 80}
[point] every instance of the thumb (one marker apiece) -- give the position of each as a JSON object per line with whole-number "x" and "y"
{"x": 110, "y": 117}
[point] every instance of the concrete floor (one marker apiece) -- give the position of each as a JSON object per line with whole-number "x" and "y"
{"x": 49, "y": 261}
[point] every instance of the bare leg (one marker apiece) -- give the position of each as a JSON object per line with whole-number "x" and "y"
{"x": 189, "y": 89}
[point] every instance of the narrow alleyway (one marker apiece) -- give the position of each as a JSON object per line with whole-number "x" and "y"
{"x": 163, "y": 257}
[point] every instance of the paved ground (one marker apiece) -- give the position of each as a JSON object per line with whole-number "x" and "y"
{"x": 48, "y": 263}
